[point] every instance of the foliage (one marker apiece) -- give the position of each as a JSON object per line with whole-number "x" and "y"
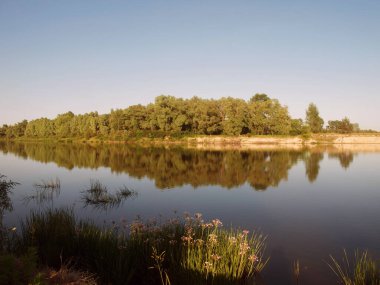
{"x": 343, "y": 126}
{"x": 313, "y": 120}
{"x": 168, "y": 115}
{"x": 297, "y": 127}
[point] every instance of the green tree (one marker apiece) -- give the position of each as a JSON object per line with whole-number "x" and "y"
{"x": 40, "y": 128}
{"x": 298, "y": 127}
{"x": 103, "y": 124}
{"x": 117, "y": 120}
{"x": 234, "y": 113}
{"x": 343, "y": 126}
{"x": 259, "y": 98}
{"x": 3, "y": 131}
{"x": 313, "y": 119}
{"x": 205, "y": 116}
{"x": 17, "y": 130}
{"x": 62, "y": 124}
{"x": 267, "y": 116}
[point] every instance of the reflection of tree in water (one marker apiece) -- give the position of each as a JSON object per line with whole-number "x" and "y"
{"x": 269, "y": 168}
{"x": 312, "y": 161}
{"x": 345, "y": 158}
{"x": 176, "y": 166}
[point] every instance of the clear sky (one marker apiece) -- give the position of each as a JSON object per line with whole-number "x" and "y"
{"x": 81, "y": 56}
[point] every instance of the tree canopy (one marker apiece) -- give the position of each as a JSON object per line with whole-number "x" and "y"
{"x": 313, "y": 120}
{"x": 169, "y": 115}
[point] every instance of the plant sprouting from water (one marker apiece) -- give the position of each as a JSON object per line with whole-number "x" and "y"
{"x": 359, "y": 270}
{"x": 296, "y": 270}
{"x": 6, "y": 187}
{"x": 51, "y": 184}
{"x": 98, "y": 196}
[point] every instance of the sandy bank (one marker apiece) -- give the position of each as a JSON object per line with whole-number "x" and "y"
{"x": 325, "y": 142}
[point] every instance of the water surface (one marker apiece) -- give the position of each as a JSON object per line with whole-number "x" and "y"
{"x": 311, "y": 202}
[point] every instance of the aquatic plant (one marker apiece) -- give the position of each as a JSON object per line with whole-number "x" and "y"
{"x": 213, "y": 251}
{"x": 42, "y": 196}
{"x": 190, "y": 251}
{"x": 98, "y": 196}
{"x": 49, "y": 184}
{"x": 359, "y": 270}
{"x": 6, "y": 187}
{"x": 52, "y": 232}
{"x": 296, "y": 270}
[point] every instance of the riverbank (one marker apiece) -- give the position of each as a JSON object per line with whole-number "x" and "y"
{"x": 359, "y": 142}
{"x": 334, "y": 139}
{"x": 335, "y": 143}
{"x": 323, "y": 138}
{"x": 316, "y": 142}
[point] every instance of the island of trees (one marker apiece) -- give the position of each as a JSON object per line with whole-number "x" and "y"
{"x": 170, "y": 116}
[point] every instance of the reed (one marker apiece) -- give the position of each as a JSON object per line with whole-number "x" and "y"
{"x": 296, "y": 270}
{"x": 189, "y": 251}
{"x": 49, "y": 184}
{"x": 359, "y": 270}
{"x": 98, "y": 196}
{"x": 214, "y": 252}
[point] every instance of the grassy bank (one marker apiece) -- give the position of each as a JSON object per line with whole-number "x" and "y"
{"x": 187, "y": 251}
{"x": 55, "y": 248}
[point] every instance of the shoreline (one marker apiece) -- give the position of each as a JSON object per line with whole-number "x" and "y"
{"x": 316, "y": 142}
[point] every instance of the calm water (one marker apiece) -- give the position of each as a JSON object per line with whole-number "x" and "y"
{"x": 310, "y": 203}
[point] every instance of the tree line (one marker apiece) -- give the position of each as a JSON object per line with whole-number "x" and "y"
{"x": 168, "y": 115}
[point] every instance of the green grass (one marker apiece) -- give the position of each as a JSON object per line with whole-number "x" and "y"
{"x": 190, "y": 251}
{"x": 359, "y": 270}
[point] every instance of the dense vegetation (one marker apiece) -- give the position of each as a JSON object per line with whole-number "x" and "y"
{"x": 169, "y": 115}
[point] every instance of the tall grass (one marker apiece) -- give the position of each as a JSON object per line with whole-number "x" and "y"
{"x": 52, "y": 232}
{"x": 214, "y": 252}
{"x": 186, "y": 251}
{"x": 359, "y": 270}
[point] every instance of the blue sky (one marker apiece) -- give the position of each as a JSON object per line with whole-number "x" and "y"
{"x": 83, "y": 56}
